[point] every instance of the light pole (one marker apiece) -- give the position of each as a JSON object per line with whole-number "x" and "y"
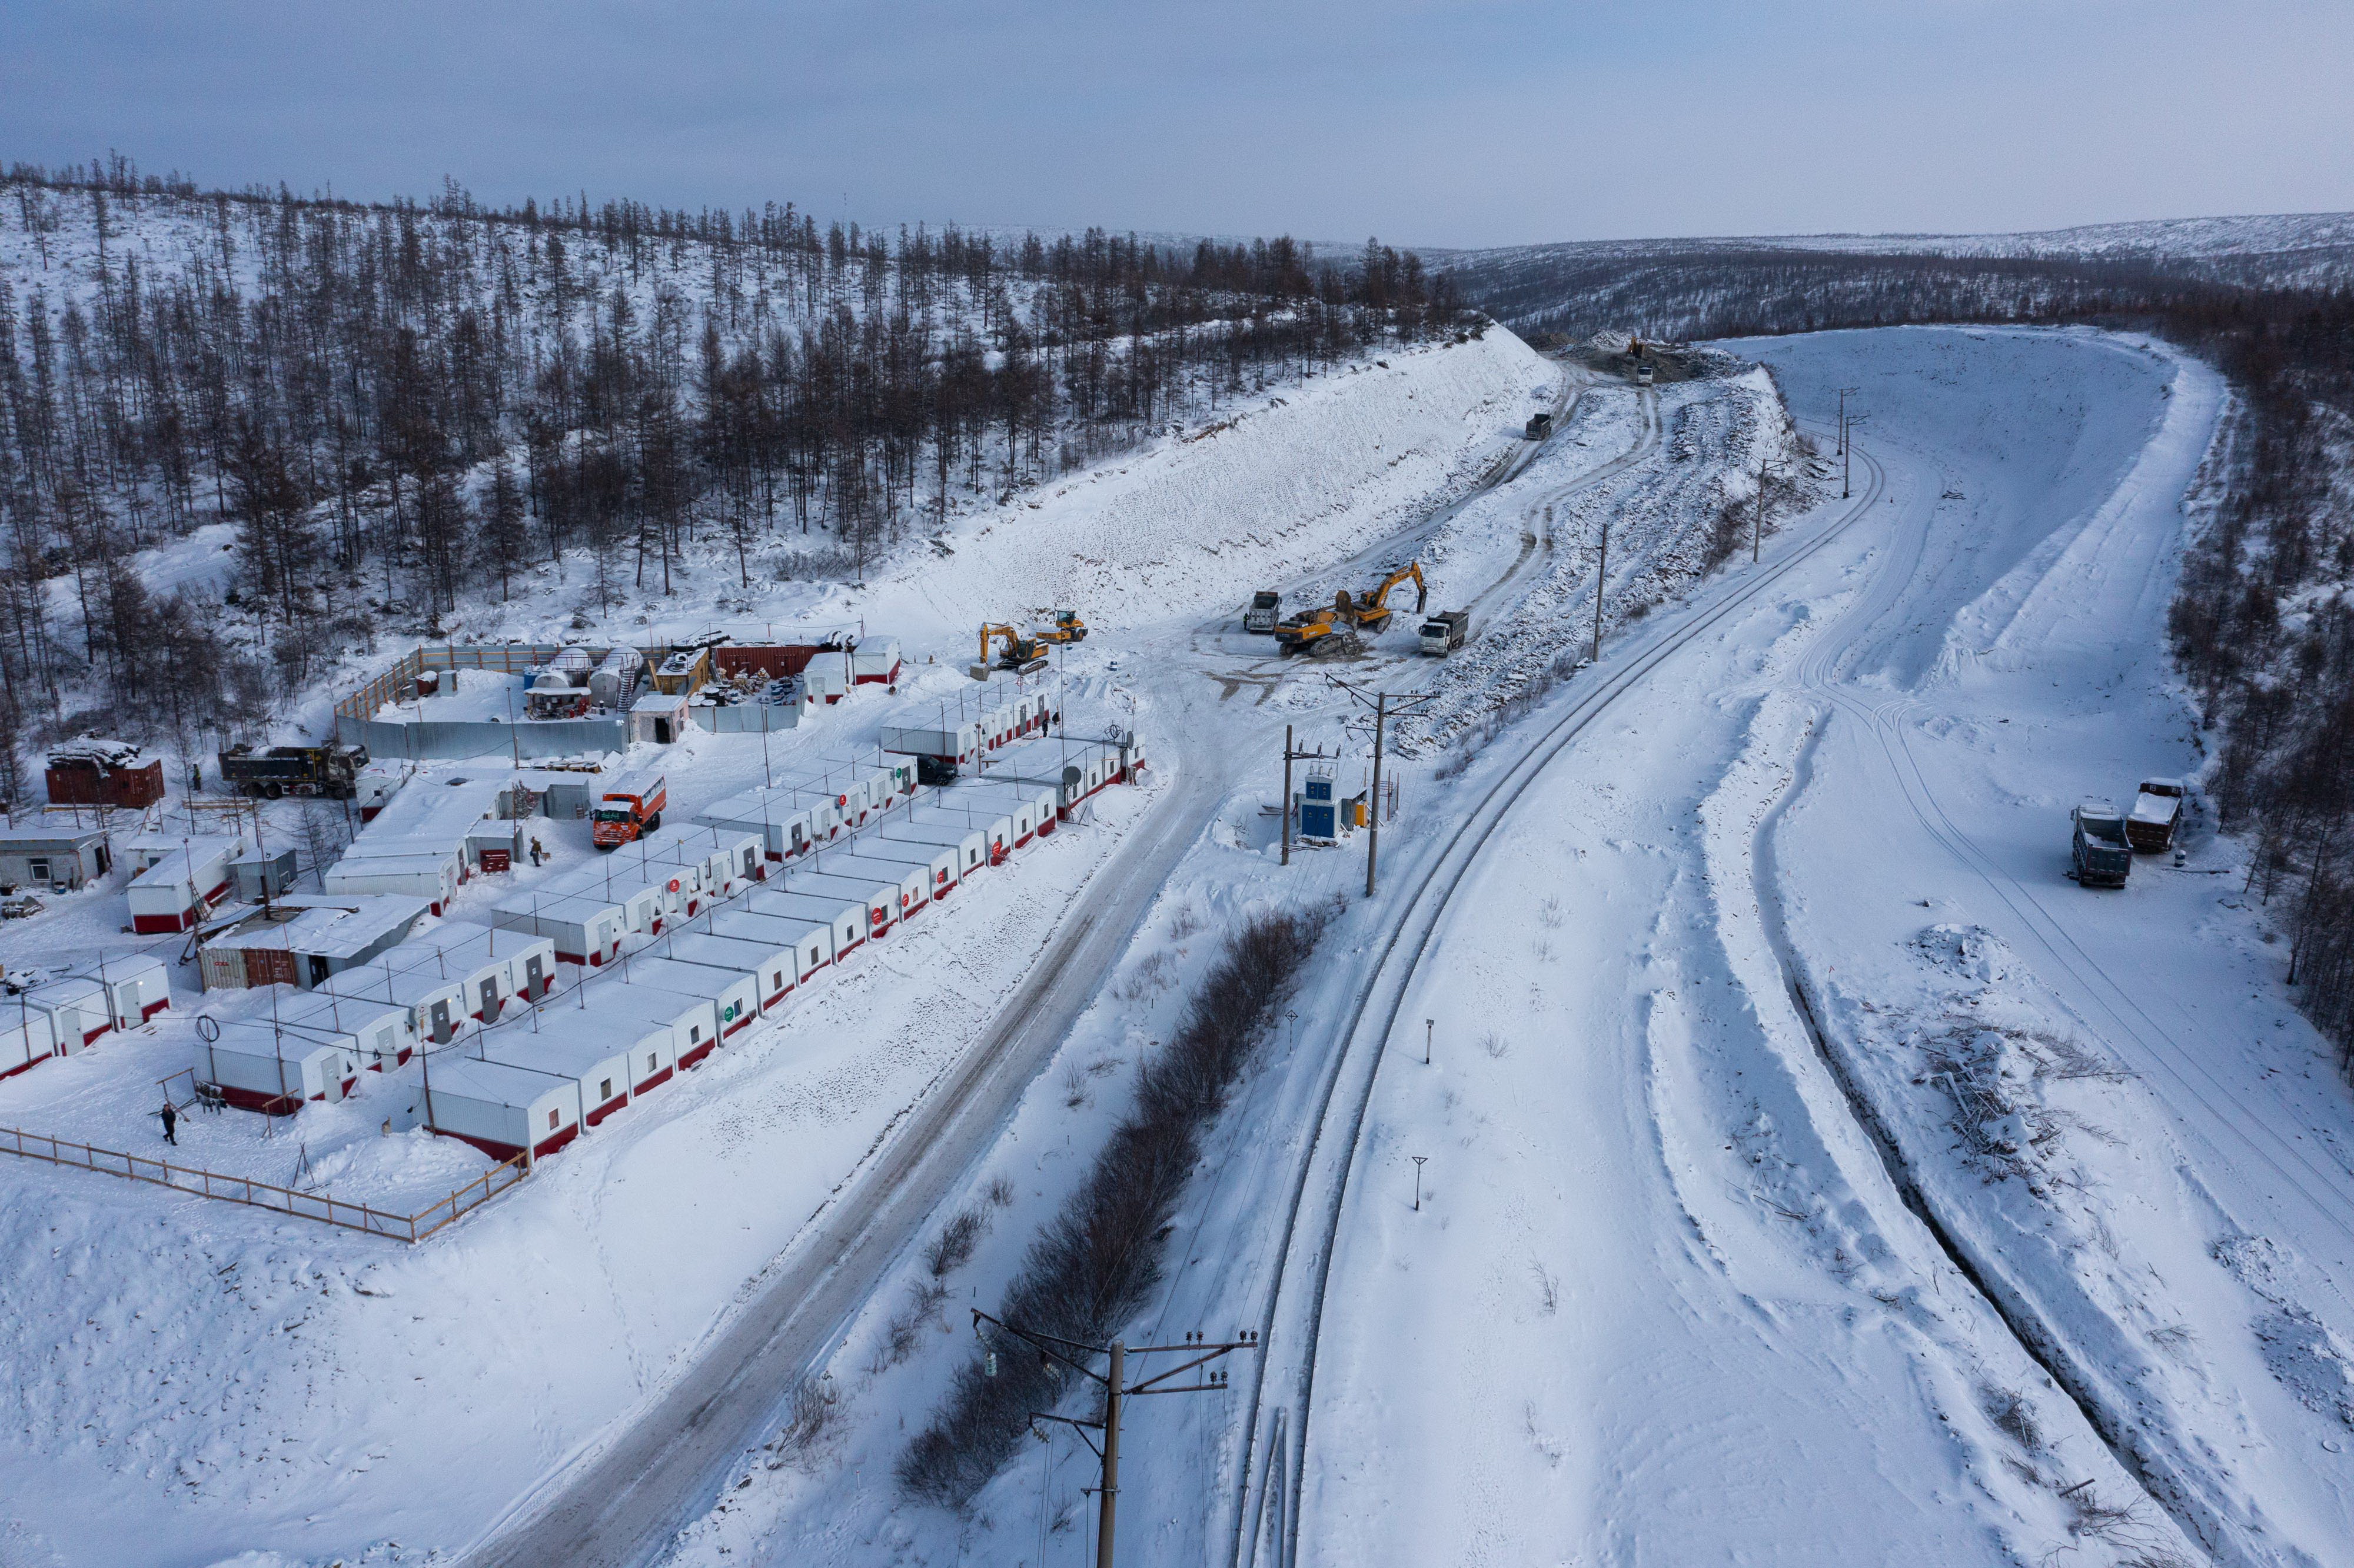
{"x": 1418, "y": 1160}
{"x": 1117, "y": 1389}
{"x": 1406, "y": 702}
{"x": 1601, "y": 576}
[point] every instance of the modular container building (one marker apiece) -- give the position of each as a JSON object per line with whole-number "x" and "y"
{"x": 305, "y": 937}
{"x": 96, "y": 771}
{"x": 914, "y": 882}
{"x": 384, "y": 1032}
{"x": 504, "y": 1111}
{"x": 438, "y": 815}
{"x": 78, "y": 1010}
{"x": 953, "y": 823}
{"x": 1075, "y": 769}
{"x": 846, "y": 919}
{"x": 787, "y": 822}
{"x": 809, "y": 941}
{"x": 437, "y": 1007}
{"x": 136, "y": 985}
{"x": 375, "y": 786}
{"x": 583, "y": 930}
{"x": 967, "y": 847}
{"x": 1031, "y": 807}
{"x": 179, "y": 887}
{"x": 597, "y": 1055}
{"x": 693, "y": 1021}
{"x": 643, "y": 898}
{"x": 876, "y": 662}
{"x": 529, "y": 960}
{"x": 26, "y": 1039}
{"x": 736, "y": 997}
{"x": 276, "y": 1068}
{"x": 35, "y": 856}
{"x": 726, "y": 860}
{"x": 943, "y": 866}
{"x": 432, "y": 877}
{"x": 880, "y": 897}
{"x": 773, "y": 967}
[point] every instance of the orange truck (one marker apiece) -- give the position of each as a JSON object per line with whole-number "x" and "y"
{"x": 628, "y": 812}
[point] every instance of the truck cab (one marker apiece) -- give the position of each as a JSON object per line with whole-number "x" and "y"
{"x": 627, "y": 813}
{"x": 1446, "y": 631}
{"x": 2100, "y": 855}
{"x": 1260, "y": 616}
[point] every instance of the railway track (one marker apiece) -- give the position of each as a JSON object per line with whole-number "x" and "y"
{"x": 1292, "y": 1321}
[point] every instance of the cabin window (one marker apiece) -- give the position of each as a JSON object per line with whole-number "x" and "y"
{"x": 551, "y": 1121}
{"x": 649, "y": 1061}
{"x": 605, "y": 1089}
{"x": 36, "y": 870}
{"x": 694, "y": 1033}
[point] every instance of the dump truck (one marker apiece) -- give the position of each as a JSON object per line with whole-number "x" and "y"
{"x": 1540, "y": 426}
{"x": 1261, "y": 615}
{"x": 331, "y": 770}
{"x": 2156, "y": 814}
{"x": 1445, "y": 632}
{"x": 2100, "y": 855}
{"x": 628, "y": 812}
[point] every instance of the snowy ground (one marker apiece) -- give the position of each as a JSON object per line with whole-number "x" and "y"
{"x": 192, "y": 1379}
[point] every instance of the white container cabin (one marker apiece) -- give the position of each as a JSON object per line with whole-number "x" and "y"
{"x": 735, "y": 996}
{"x": 809, "y": 941}
{"x": 583, "y": 930}
{"x": 878, "y": 897}
{"x": 384, "y": 1033}
{"x": 941, "y": 865}
{"x": 436, "y": 1008}
{"x": 915, "y": 883}
{"x": 774, "y": 967}
{"x": 432, "y": 877}
{"x": 26, "y": 1039}
{"x": 524, "y": 963}
{"x": 179, "y": 887}
{"x": 504, "y": 1111}
{"x": 846, "y": 919}
{"x": 693, "y": 1021}
{"x": 75, "y": 1009}
{"x": 596, "y": 1058}
{"x": 935, "y": 814}
{"x": 277, "y": 1068}
{"x": 967, "y": 846}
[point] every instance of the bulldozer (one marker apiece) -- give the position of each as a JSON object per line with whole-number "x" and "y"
{"x": 1066, "y": 628}
{"x": 1021, "y": 652}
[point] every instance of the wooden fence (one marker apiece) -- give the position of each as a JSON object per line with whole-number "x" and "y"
{"x": 319, "y": 1206}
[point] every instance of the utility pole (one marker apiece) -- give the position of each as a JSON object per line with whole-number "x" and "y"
{"x": 1757, "y": 529}
{"x": 1291, "y": 754}
{"x": 1117, "y": 1391}
{"x": 1847, "y": 451}
{"x": 1601, "y": 576}
{"x": 1844, "y": 394}
{"x": 1406, "y": 701}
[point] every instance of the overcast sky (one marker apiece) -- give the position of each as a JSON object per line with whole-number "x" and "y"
{"x": 1469, "y": 122}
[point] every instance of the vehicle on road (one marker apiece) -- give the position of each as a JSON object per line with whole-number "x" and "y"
{"x": 329, "y": 770}
{"x": 1261, "y": 615}
{"x": 1446, "y": 631}
{"x": 2100, "y": 855}
{"x": 628, "y": 812}
{"x": 1540, "y": 426}
{"x": 2157, "y": 815}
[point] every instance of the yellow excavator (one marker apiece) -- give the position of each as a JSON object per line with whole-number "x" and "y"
{"x": 1067, "y": 627}
{"x": 1372, "y": 611}
{"x": 1021, "y": 652}
{"x": 1328, "y": 630}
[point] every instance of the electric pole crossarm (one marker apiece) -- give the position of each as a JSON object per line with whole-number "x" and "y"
{"x": 1151, "y": 1384}
{"x": 1218, "y": 1387}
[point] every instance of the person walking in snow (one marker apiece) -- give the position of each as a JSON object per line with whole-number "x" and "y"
{"x": 538, "y": 855}
{"x": 171, "y": 1114}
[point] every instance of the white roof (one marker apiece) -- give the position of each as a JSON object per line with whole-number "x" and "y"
{"x": 495, "y": 1083}
{"x": 331, "y": 928}
{"x": 432, "y": 807}
{"x": 33, "y": 835}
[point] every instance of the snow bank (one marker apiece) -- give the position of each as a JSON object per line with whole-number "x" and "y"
{"x": 1280, "y": 487}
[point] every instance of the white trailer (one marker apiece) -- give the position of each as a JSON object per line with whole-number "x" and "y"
{"x": 76, "y": 1010}
{"x": 735, "y": 996}
{"x": 943, "y": 866}
{"x": 597, "y": 1055}
{"x": 276, "y": 1068}
{"x": 883, "y": 896}
{"x": 1031, "y": 806}
{"x": 967, "y": 847}
{"x": 432, "y": 877}
{"x": 175, "y": 888}
{"x": 934, "y": 814}
{"x": 502, "y": 1110}
{"x": 26, "y": 1039}
{"x": 809, "y": 941}
{"x": 583, "y": 930}
{"x": 645, "y": 902}
{"x": 527, "y": 960}
{"x": 773, "y": 967}
{"x": 437, "y": 1007}
{"x": 136, "y": 986}
{"x": 693, "y": 1021}
{"x": 384, "y": 1033}
{"x": 915, "y": 883}
{"x": 788, "y": 821}
{"x": 846, "y": 919}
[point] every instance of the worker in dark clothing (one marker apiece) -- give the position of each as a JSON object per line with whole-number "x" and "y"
{"x": 171, "y": 1116}
{"x": 538, "y": 855}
